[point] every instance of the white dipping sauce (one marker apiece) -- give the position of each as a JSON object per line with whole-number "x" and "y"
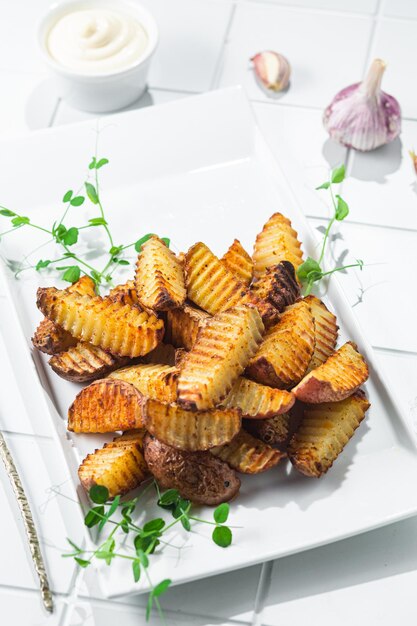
{"x": 96, "y": 41}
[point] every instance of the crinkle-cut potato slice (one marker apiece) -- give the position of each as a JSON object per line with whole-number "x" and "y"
{"x": 183, "y": 325}
{"x": 85, "y": 363}
{"x": 190, "y": 430}
{"x": 285, "y": 352}
{"x": 326, "y": 331}
{"x": 238, "y": 261}
{"x": 105, "y": 406}
{"x": 120, "y": 329}
{"x": 276, "y": 242}
{"x": 222, "y": 350}
{"x": 214, "y": 288}
{"x": 248, "y": 455}
{"x": 159, "y": 277}
{"x": 120, "y": 465}
{"x": 163, "y": 354}
{"x": 275, "y": 430}
{"x": 125, "y": 294}
{"x": 336, "y": 379}
{"x": 278, "y": 285}
{"x": 180, "y": 355}
{"x": 51, "y": 338}
{"x": 257, "y": 401}
{"x": 158, "y": 382}
{"x": 324, "y": 431}
{"x": 198, "y": 476}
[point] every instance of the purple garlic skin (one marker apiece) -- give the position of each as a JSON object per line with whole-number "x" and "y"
{"x": 362, "y": 116}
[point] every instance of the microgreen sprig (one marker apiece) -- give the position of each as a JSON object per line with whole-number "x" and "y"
{"x": 145, "y": 538}
{"x": 311, "y": 270}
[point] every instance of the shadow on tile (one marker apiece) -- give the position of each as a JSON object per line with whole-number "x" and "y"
{"x": 378, "y": 164}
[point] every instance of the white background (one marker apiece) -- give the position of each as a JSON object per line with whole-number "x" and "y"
{"x": 205, "y": 44}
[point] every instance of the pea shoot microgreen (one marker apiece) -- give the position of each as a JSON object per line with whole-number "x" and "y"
{"x": 145, "y": 539}
{"x": 311, "y": 271}
{"x": 66, "y": 236}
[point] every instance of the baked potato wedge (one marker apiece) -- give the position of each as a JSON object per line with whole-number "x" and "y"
{"x": 285, "y": 352}
{"x": 238, "y": 261}
{"x": 214, "y": 288}
{"x": 188, "y": 430}
{"x": 198, "y": 476}
{"x": 336, "y": 379}
{"x": 125, "y": 294}
{"x": 248, "y": 455}
{"x": 158, "y": 382}
{"x": 159, "y": 277}
{"x": 105, "y": 406}
{"x": 163, "y": 354}
{"x": 85, "y": 363}
{"x": 120, "y": 329}
{"x": 326, "y": 331}
{"x": 275, "y": 430}
{"x": 324, "y": 431}
{"x": 222, "y": 350}
{"x": 276, "y": 242}
{"x": 278, "y": 286}
{"x": 120, "y": 465}
{"x": 183, "y": 326}
{"x": 257, "y": 401}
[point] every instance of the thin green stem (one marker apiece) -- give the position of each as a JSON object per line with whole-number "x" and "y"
{"x": 344, "y": 267}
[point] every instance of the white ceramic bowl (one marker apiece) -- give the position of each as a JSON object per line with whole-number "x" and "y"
{"x": 100, "y": 93}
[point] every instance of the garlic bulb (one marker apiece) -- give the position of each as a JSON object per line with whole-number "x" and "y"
{"x": 272, "y": 70}
{"x": 362, "y": 116}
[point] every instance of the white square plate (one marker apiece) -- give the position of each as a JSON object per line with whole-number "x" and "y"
{"x": 199, "y": 169}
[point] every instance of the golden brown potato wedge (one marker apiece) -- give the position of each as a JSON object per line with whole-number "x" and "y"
{"x": 337, "y": 378}
{"x": 278, "y": 285}
{"x": 223, "y": 348}
{"x": 275, "y": 430}
{"x": 158, "y": 382}
{"x": 119, "y": 465}
{"x": 248, "y": 455}
{"x": 189, "y": 430}
{"x": 85, "y": 363}
{"x": 180, "y": 354}
{"x": 51, "y": 338}
{"x": 183, "y": 326}
{"x": 198, "y": 476}
{"x": 238, "y": 261}
{"x": 125, "y": 294}
{"x": 284, "y": 355}
{"x": 120, "y": 329}
{"x": 214, "y": 288}
{"x": 159, "y": 277}
{"x": 324, "y": 431}
{"x": 326, "y": 331}
{"x": 105, "y": 406}
{"x": 257, "y": 401}
{"x": 276, "y": 242}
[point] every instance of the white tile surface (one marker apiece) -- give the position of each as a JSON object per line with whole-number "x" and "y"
{"x": 399, "y": 8}
{"x": 401, "y": 372}
{"x": 309, "y": 41}
{"x": 20, "y": 608}
{"x": 355, "y": 6}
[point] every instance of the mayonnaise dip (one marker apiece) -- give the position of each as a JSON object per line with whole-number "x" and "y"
{"x": 96, "y": 40}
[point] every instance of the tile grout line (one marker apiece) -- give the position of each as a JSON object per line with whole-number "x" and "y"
{"x": 262, "y": 591}
{"x": 214, "y": 83}
{"x": 403, "y": 229}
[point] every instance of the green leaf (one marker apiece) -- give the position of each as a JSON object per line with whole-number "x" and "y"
{"x": 314, "y": 276}
{"x": 99, "y": 494}
{"x": 149, "y": 606}
{"x": 41, "y": 264}
{"x": 136, "y": 570}
{"x": 338, "y": 174}
{"x": 185, "y": 522}
{"x": 161, "y": 588}
{"x": 70, "y": 237}
{"x": 59, "y": 232}
{"x": 166, "y": 241}
{"x": 168, "y": 498}
{"x": 115, "y": 250}
{"x": 147, "y": 544}
{"x": 20, "y": 220}
{"x": 93, "y": 516}
{"x": 106, "y": 551}
{"x": 342, "y": 209}
{"x": 222, "y": 536}
{"x": 141, "y": 241}
{"x": 221, "y": 513}
{"x": 77, "y": 201}
{"x": 96, "y": 276}
{"x": 143, "y": 558}
{"x": 82, "y": 562}
{"x": 97, "y": 221}
{"x": 120, "y": 261}
{"x": 92, "y": 164}
{"x": 67, "y": 196}
{"x": 7, "y": 213}
{"x": 308, "y": 266}
{"x": 72, "y": 274}
{"x": 91, "y": 193}
{"x": 325, "y": 185}
{"x": 182, "y": 506}
{"x": 154, "y": 525}
{"x": 101, "y": 163}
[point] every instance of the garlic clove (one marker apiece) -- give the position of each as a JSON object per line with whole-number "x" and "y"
{"x": 413, "y": 156}
{"x": 272, "y": 70}
{"x": 362, "y": 116}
